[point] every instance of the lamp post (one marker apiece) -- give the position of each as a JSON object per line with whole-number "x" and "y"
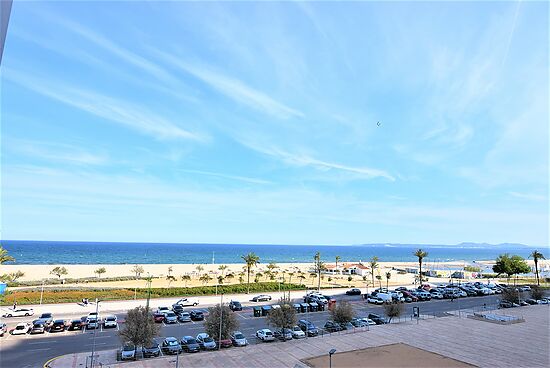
{"x": 332, "y": 351}
{"x": 95, "y": 329}
{"x": 149, "y": 279}
{"x": 221, "y": 320}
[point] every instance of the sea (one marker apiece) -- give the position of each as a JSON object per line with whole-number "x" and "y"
{"x": 64, "y": 252}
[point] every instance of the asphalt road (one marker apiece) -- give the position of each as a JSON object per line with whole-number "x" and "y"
{"x": 34, "y": 350}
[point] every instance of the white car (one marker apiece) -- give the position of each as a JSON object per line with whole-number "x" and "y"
{"x": 188, "y": 301}
{"x": 297, "y": 333}
{"x": 110, "y": 322}
{"x": 265, "y": 335}
{"x": 21, "y": 329}
{"x": 368, "y": 321}
{"x": 18, "y": 312}
{"x": 437, "y": 295}
{"x": 374, "y": 300}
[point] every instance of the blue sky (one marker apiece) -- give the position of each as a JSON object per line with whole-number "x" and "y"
{"x": 257, "y": 122}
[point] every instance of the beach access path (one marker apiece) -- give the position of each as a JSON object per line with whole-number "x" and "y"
{"x": 478, "y": 343}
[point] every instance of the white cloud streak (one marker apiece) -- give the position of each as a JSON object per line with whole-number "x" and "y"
{"x": 234, "y": 89}
{"x": 226, "y": 176}
{"x": 108, "y": 108}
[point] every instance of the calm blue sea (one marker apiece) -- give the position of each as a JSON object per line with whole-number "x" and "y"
{"x": 46, "y": 252}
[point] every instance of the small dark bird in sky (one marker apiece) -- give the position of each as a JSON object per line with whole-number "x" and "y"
{"x": 378, "y": 124}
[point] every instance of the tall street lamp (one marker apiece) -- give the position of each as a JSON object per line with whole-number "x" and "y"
{"x": 332, "y": 351}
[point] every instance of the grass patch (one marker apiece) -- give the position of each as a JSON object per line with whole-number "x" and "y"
{"x": 74, "y": 296}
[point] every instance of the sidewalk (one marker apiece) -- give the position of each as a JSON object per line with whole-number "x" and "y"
{"x": 475, "y": 342}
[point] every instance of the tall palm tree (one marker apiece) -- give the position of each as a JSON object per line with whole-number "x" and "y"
{"x": 373, "y": 266}
{"x": 338, "y": 259}
{"x": 4, "y": 257}
{"x": 222, "y": 268}
{"x": 536, "y": 255}
{"x": 251, "y": 260}
{"x": 319, "y": 266}
{"x": 388, "y": 277}
{"x": 421, "y": 255}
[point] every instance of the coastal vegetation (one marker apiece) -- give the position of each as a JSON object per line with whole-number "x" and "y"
{"x": 59, "y": 271}
{"x": 251, "y": 260}
{"x": 393, "y": 310}
{"x": 472, "y": 269}
{"x": 100, "y": 271}
{"x": 536, "y": 255}
{"x": 318, "y": 266}
{"x": 373, "y": 263}
{"x": 420, "y": 254}
{"x": 5, "y": 257}
{"x": 510, "y": 265}
{"x": 138, "y": 270}
{"x": 66, "y": 295}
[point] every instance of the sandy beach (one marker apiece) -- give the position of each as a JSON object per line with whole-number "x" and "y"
{"x": 161, "y": 271}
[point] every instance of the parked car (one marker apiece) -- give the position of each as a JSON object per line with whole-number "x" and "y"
{"x": 128, "y": 352}
{"x": 283, "y": 334}
{"x": 353, "y": 291}
{"x": 423, "y": 295}
{"x": 196, "y": 315}
{"x": 368, "y": 321}
{"x": 297, "y": 333}
{"x": 235, "y": 306}
{"x": 184, "y": 317}
{"x": 170, "y": 318}
{"x": 110, "y": 322}
{"x": 47, "y": 318}
{"x": 436, "y": 295}
{"x": 18, "y": 312}
{"x": 224, "y": 343}
{"x": 170, "y": 345}
{"x": 357, "y": 322}
{"x": 58, "y": 326}
{"x": 3, "y": 329}
{"x": 238, "y": 339}
{"x": 525, "y": 288}
{"x": 92, "y": 323}
{"x": 190, "y": 345}
{"x": 177, "y": 308}
{"x": 163, "y": 310}
{"x": 375, "y": 300}
{"x": 331, "y": 326}
{"x": 505, "y": 304}
{"x": 184, "y": 302}
{"x": 386, "y": 297}
{"x": 38, "y": 327}
{"x": 206, "y": 342}
{"x": 315, "y": 298}
{"x": 308, "y": 327}
{"x": 378, "y": 319}
{"x": 21, "y": 329}
{"x": 347, "y": 326}
{"x": 523, "y": 303}
{"x": 76, "y": 324}
{"x": 151, "y": 350}
{"x": 401, "y": 288}
{"x": 261, "y": 298}
{"x": 531, "y": 301}
{"x": 265, "y": 335}
{"x": 413, "y": 298}
{"x": 544, "y": 301}
{"x": 158, "y": 317}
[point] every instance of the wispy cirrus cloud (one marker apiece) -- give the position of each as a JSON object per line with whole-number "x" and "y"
{"x": 109, "y": 108}
{"x": 529, "y": 196}
{"x": 305, "y": 160}
{"x": 227, "y": 176}
{"x": 234, "y": 89}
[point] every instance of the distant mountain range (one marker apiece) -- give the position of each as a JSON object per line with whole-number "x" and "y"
{"x": 469, "y": 245}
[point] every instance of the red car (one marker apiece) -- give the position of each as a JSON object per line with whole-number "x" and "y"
{"x": 225, "y": 343}
{"x": 406, "y": 294}
{"x": 158, "y": 317}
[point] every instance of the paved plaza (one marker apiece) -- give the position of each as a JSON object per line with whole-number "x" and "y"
{"x": 479, "y": 343}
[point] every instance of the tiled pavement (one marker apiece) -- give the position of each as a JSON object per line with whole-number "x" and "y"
{"x": 483, "y": 344}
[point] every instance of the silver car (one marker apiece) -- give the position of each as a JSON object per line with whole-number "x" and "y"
{"x": 206, "y": 342}
{"x": 238, "y": 339}
{"x": 170, "y": 317}
{"x": 128, "y": 352}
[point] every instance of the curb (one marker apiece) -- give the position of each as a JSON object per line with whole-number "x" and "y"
{"x": 47, "y": 364}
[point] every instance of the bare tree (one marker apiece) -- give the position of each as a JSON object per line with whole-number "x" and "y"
{"x": 393, "y": 310}
{"x": 137, "y": 270}
{"x": 139, "y": 327}
{"x": 229, "y": 322}
{"x": 342, "y": 312}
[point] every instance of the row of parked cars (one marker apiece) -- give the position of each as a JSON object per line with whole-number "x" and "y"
{"x": 46, "y": 323}
{"x": 188, "y": 344}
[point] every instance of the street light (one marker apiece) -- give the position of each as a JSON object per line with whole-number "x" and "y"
{"x": 332, "y": 351}
{"x": 95, "y": 329}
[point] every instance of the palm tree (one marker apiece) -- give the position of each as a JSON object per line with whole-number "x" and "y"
{"x": 199, "y": 269}
{"x": 421, "y": 255}
{"x": 205, "y": 279}
{"x": 4, "y": 257}
{"x": 170, "y": 269}
{"x": 337, "y": 260}
{"x": 319, "y": 266}
{"x": 373, "y": 266}
{"x": 186, "y": 279}
{"x": 388, "y": 277}
{"x": 222, "y": 268}
{"x": 290, "y": 274}
{"x": 170, "y": 279}
{"x": 379, "y": 278}
{"x": 536, "y": 255}
{"x": 251, "y": 260}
